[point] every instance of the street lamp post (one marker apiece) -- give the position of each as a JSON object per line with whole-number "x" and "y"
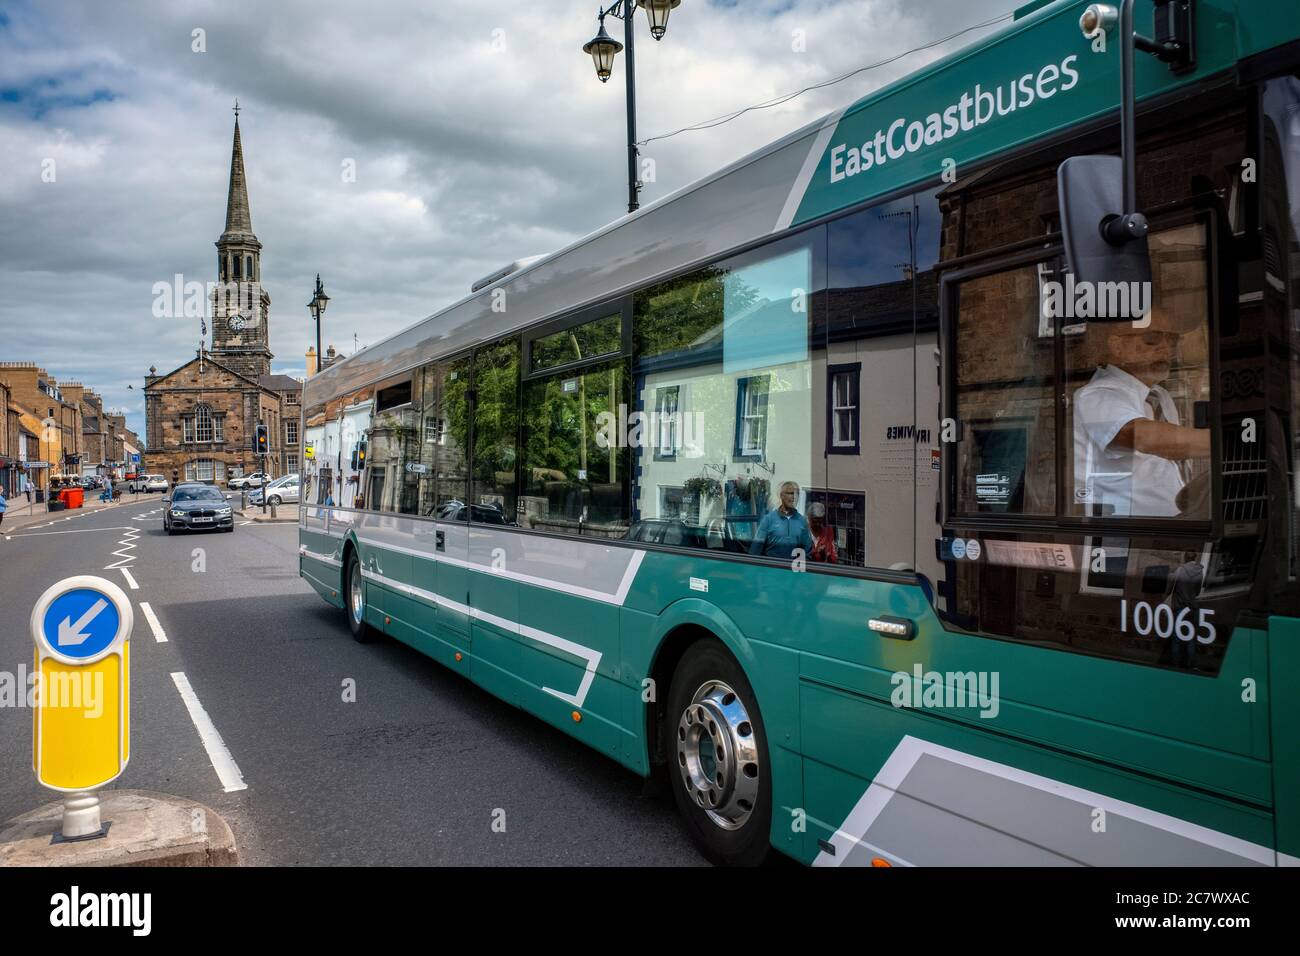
{"x": 317, "y": 306}
{"x": 603, "y": 48}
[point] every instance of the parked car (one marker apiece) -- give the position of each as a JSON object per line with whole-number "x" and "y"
{"x": 248, "y": 481}
{"x": 281, "y": 491}
{"x": 733, "y": 533}
{"x": 482, "y": 514}
{"x": 193, "y": 506}
{"x": 146, "y": 483}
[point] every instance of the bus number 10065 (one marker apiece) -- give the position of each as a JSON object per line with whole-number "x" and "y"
{"x": 1161, "y": 621}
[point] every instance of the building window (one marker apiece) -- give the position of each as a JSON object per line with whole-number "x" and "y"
{"x": 434, "y": 432}
{"x": 666, "y": 418}
{"x": 842, "y": 404}
{"x": 203, "y": 424}
{"x": 205, "y": 469}
{"x": 218, "y": 428}
{"x": 291, "y": 464}
{"x": 751, "y": 416}
{"x": 291, "y": 431}
{"x": 187, "y": 429}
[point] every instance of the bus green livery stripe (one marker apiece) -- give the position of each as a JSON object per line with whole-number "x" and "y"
{"x": 1055, "y": 81}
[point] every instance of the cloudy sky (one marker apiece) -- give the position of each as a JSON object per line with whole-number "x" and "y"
{"x": 478, "y": 132}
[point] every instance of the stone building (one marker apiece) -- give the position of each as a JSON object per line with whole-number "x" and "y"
{"x": 57, "y": 417}
{"x": 201, "y": 418}
{"x": 8, "y": 443}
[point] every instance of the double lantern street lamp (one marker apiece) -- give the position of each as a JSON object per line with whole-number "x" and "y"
{"x": 603, "y": 48}
{"x": 317, "y": 305}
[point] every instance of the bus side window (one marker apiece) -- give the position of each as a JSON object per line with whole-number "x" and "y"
{"x": 1134, "y": 389}
{"x": 443, "y": 436}
{"x": 1003, "y": 389}
{"x": 727, "y": 382}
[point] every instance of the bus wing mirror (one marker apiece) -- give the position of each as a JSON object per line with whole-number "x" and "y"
{"x": 1101, "y": 244}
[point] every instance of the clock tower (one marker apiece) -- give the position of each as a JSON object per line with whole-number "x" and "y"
{"x": 241, "y": 306}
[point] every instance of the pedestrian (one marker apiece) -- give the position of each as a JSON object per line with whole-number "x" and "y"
{"x": 27, "y": 488}
{"x": 3, "y": 505}
{"x": 108, "y": 489}
{"x": 823, "y": 535}
{"x": 783, "y": 529}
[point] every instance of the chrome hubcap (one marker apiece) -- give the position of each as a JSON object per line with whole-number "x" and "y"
{"x": 717, "y": 755}
{"x": 354, "y": 593}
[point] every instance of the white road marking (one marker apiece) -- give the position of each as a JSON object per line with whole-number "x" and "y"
{"x": 129, "y": 580}
{"x": 242, "y": 523}
{"x": 222, "y": 762}
{"x": 127, "y": 544}
{"x": 158, "y": 634}
{"x": 37, "y": 534}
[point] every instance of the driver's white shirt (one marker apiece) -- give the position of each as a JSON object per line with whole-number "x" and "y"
{"x": 1130, "y": 482}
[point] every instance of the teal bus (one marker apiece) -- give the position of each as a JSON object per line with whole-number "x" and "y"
{"x": 828, "y": 488}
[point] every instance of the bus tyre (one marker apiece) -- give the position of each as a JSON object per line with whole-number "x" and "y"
{"x": 718, "y": 755}
{"x": 354, "y": 601}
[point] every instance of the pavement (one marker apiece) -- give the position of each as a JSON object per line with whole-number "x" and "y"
{"x": 143, "y": 829}
{"x": 317, "y": 749}
{"x": 24, "y": 514}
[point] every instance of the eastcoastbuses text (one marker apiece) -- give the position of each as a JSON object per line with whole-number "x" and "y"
{"x": 794, "y": 487}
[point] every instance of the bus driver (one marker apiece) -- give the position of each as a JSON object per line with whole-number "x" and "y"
{"x": 1132, "y": 454}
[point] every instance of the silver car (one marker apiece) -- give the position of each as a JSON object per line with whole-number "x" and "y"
{"x": 284, "y": 490}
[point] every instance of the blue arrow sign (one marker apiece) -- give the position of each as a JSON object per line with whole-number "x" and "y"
{"x": 81, "y": 623}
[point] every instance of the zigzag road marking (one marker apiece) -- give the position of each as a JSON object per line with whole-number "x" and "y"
{"x": 123, "y": 552}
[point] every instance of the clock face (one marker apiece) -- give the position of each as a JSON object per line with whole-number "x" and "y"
{"x": 236, "y": 323}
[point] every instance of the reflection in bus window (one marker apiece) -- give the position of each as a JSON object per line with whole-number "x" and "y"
{"x": 443, "y": 435}
{"x": 1006, "y": 458}
{"x": 496, "y": 430}
{"x": 393, "y": 451}
{"x": 573, "y": 471}
{"x": 725, "y": 352}
{"x": 1135, "y": 387}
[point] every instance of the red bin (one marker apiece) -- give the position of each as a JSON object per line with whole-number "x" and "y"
{"x": 73, "y": 497}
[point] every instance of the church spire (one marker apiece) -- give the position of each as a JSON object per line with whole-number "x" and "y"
{"x": 238, "y": 220}
{"x": 241, "y": 307}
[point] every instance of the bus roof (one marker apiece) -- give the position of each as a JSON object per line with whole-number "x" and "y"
{"x": 1033, "y": 78}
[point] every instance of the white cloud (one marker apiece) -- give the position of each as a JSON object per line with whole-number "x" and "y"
{"x": 466, "y": 157}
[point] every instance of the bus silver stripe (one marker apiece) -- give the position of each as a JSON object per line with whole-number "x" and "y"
{"x": 806, "y": 172}
{"x": 323, "y": 558}
{"x": 910, "y": 749}
{"x": 618, "y": 597}
{"x": 589, "y": 656}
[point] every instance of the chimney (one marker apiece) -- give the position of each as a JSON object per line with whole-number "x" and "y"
{"x": 311, "y": 361}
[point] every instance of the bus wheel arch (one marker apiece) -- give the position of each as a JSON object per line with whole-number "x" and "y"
{"x": 353, "y": 589}
{"x": 707, "y": 738}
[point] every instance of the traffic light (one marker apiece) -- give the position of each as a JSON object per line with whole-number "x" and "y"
{"x": 262, "y": 440}
{"x": 359, "y": 457}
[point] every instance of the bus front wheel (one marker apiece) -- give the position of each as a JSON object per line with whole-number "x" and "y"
{"x": 718, "y": 751}
{"x": 355, "y": 600}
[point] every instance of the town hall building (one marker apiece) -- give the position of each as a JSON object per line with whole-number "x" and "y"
{"x": 201, "y": 418}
